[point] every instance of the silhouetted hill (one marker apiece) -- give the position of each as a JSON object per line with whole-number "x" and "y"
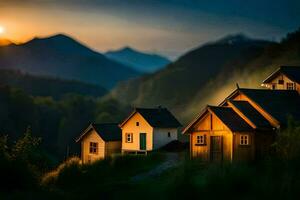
{"x": 47, "y": 86}
{"x": 63, "y": 57}
{"x": 177, "y": 85}
{"x": 139, "y": 61}
{"x": 4, "y": 42}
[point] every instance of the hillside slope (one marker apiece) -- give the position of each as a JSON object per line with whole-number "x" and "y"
{"x": 66, "y": 58}
{"x": 180, "y": 83}
{"x": 139, "y": 61}
{"x": 47, "y": 86}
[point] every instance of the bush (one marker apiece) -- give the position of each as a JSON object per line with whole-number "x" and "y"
{"x": 287, "y": 145}
{"x": 56, "y": 175}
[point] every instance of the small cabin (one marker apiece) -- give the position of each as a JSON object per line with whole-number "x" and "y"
{"x": 243, "y": 126}
{"x": 100, "y": 141}
{"x": 147, "y": 129}
{"x": 284, "y": 78}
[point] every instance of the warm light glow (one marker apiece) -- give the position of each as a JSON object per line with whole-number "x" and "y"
{"x": 2, "y": 29}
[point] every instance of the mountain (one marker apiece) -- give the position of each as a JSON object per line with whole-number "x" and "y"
{"x": 4, "y": 42}
{"x": 47, "y": 86}
{"x": 139, "y": 61}
{"x": 185, "y": 85}
{"x": 63, "y": 57}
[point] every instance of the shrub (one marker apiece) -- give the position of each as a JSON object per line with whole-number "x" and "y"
{"x": 53, "y": 176}
{"x": 287, "y": 144}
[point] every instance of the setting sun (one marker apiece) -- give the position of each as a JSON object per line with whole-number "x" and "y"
{"x": 2, "y": 29}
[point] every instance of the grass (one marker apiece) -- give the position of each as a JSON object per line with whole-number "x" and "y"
{"x": 192, "y": 179}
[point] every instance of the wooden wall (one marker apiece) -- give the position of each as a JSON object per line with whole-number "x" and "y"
{"x": 284, "y": 85}
{"x": 209, "y": 126}
{"x": 130, "y": 127}
{"x": 86, "y": 156}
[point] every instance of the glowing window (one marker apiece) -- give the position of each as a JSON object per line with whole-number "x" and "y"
{"x": 290, "y": 86}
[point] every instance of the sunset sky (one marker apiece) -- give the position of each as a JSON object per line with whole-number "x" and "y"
{"x": 170, "y": 27}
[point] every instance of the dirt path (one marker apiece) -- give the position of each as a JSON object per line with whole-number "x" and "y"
{"x": 172, "y": 160}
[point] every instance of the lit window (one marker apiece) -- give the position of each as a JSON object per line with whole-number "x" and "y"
{"x": 169, "y": 134}
{"x": 290, "y": 86}
{"x": 137, "y": 123}
{"x": 244, "y": 140}
{"x": 200, "y": 139}
{"x": 128, "y": 137}
{"x": 94, "y": 147}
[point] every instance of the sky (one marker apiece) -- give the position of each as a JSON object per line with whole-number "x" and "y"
{"x": 168, "y": 27}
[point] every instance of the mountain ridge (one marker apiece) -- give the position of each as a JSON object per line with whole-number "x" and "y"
{"x": 140, "y": 61}
{"x": 64, "y": 57}
{"x": 181, "y": 82}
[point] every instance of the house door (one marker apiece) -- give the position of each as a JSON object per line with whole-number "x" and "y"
{"x": 216, "y": 146}
{"x": 142, "y": 141}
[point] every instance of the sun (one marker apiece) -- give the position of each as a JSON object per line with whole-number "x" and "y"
{"x": 2, "y": 29}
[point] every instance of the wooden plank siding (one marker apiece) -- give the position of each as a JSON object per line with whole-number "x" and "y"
{"x": 209, "y": 126}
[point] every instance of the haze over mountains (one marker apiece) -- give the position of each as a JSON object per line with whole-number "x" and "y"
{"x": 207, "y": 74}
{"x": 139, "y": 61}
{"x": 63, "y": 57}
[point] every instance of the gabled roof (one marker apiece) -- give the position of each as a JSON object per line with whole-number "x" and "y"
{"x": 227, "y": 115}
{"x": 251, "y": 114}
{"x": 230, "y": 118}
{"x": 292, "y": 72}
{"x": 277, "y": 103}
{"x": 156, "y": 117}
{"x": 107, "y": 131}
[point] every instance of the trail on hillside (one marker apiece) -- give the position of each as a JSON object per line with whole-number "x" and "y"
{"x": 172, "y": 160}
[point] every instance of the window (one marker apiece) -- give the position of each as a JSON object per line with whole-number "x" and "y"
{"x": 94, "y": 147}
{"x": 280, "y": 82}
{"x": 244, "y": 140}
{"x": 137, "y": 123}
{"x": 290, "y": 86}
{"x": 169, "y": 134}
{"x": 200, "y": 140}
{"x": 128, "y": 137}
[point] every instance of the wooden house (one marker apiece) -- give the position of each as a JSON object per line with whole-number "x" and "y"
{"x": 243, "y": 126}
{"x": 147, "y": 129}
{"x": 99, "y": 141}
{"x": 284, "y": 78}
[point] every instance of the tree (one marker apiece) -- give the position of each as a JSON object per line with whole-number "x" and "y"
{"x": 26, "y": 148}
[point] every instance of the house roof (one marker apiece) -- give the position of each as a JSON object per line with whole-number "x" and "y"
{"x": 252, "y": 114}
{"x": 156, "y": 117}
{"x": 230, "y": 118}
{"x": 292, "y": 72}
{"x": 227, "y": 115}
{"x": 107, "y": 131}
{"x": 278, "y": 103}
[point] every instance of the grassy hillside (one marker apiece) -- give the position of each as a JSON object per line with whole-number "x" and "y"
{"x": 274, "y": 177}
{"x": 47, "y": 86}
{"x": 208, "y": 74}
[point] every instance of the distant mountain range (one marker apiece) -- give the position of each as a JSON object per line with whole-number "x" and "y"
{"x": 139, "y": 61}
{"x": 188, "y": 84}
{"x": 63, "y": 57}
{"x": 47, "y": 86}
